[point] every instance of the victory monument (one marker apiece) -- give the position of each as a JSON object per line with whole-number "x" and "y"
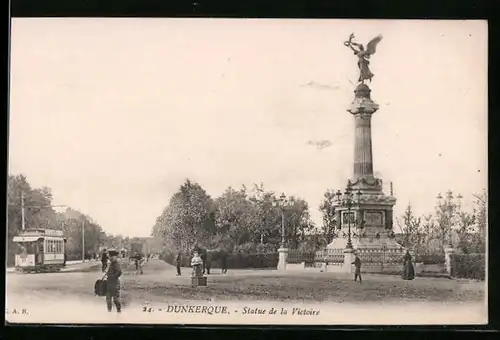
{"x": 364, "y": 213}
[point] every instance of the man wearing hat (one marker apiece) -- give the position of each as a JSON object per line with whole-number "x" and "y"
{"x": 357, "y": 268}
{"x": 113, "y": 287}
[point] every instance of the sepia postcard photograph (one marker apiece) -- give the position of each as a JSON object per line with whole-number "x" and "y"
{"x": 247, "y": 172}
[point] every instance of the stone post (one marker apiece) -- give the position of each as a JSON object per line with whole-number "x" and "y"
{"x": 448, "y": 252}
{"x": 348, "y": 260}
{"x": 283, "y": 254}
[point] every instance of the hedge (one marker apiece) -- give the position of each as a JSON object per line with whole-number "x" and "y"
{"x": 236, "y": 260}
{"x": 243, "y": 260}
{"x": 468, "y": 266}
{"x": 430, "y": 258}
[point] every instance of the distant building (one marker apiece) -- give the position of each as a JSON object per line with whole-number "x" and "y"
{"x": 146, "y": 245}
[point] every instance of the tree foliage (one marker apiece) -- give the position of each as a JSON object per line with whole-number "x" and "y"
{"x": 327, "y": 209}
{"x": 237, "y": 220}
{"x": 450, "y": 223}
{"x": 188, "y": 220}
{"x": 39, "y": 213}
{"x": 413, "y": 232}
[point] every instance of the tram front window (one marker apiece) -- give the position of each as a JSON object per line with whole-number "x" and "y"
{"x": 26, "y": 247}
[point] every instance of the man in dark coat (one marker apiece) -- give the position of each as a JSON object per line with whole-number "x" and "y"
{"x": 104, "y": 260}
{"x": 178, "y": 263}
{"x": 113, "y": 285}
{"x": 357, "y": 268}
{"x": 223, "y": 260}
{"x": 208, "y": 262}
{"x": 203, "y": 255}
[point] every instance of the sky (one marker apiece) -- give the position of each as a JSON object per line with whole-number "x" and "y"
{"x": 114, "y": 114}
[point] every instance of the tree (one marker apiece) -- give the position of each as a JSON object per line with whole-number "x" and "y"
{"x": 465, "y": 231}
{"x": 327, "y": 209}
{"x": 188, "y": 220}
{"x": 481, "y": 200}
{"x": 267, "y": 216}
{"x": 72, "y": 221}
{"x": 39, "y": 213}
{"x": 472, "y": 226}
{"x": 411, "y": 227}
{"x": 297, "y": 221}
{"x": 236, "y": 216}
{"x": 447, "y": 212}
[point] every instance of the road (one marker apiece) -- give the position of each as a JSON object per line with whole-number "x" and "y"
{"x": 67, "y": 297}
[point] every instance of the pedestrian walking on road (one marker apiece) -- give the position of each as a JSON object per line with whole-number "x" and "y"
{"x": 203, "y": 256}
{"x": 357, "y": 269}
{"x": 104, "y": 260}
{"x": 178, "y": 263}
{"x": 139, "y": 261}
{"x": 224, "y": 262}
{"x": 208, "y": 262}
{"x": 113, "y": 285}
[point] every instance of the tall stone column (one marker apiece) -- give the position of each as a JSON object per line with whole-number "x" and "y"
{"x": 363, "y": 108}
{"x": 363, "y": 159}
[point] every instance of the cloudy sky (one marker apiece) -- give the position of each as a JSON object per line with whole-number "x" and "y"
{"x": 114, "y": 114}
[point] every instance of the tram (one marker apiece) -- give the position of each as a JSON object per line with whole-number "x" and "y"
{"x": 40, "y": 250}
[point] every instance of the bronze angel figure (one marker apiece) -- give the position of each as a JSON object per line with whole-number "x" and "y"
{"x": 363, "y": 55}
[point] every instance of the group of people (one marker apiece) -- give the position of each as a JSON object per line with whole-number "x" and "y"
{"x": 203, "y": 259}
{"x": 408, "y": 272}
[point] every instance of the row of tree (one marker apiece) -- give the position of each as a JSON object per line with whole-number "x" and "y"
{"x": 431, "y": 233}
{"x": 251, "y": 221}
{"x": 237, "y": 220}
{"x": 40, "y": 213}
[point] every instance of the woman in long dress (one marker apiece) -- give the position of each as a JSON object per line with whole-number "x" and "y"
{"x": 408, "y": 270}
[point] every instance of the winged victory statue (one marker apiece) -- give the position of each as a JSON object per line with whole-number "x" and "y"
{"x": 363, "y": 55}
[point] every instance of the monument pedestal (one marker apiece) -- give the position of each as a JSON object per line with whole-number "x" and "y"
{"x": 197, "y": 279}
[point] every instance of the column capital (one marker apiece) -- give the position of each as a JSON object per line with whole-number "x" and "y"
{"x": 363, "y": 106}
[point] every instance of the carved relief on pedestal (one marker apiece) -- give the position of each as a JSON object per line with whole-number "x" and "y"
{"x": 374, "y": 218}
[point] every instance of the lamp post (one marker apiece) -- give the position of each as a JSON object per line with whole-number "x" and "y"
{"x": 448, "y": 206}
{"x": 281, "y": 203}
{"x": 283, "y": 252}
{"x": 347, "y": 200}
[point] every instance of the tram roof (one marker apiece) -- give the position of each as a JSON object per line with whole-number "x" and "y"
{"x": 26, "y": 238}
{"x": 41, "y": 233}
